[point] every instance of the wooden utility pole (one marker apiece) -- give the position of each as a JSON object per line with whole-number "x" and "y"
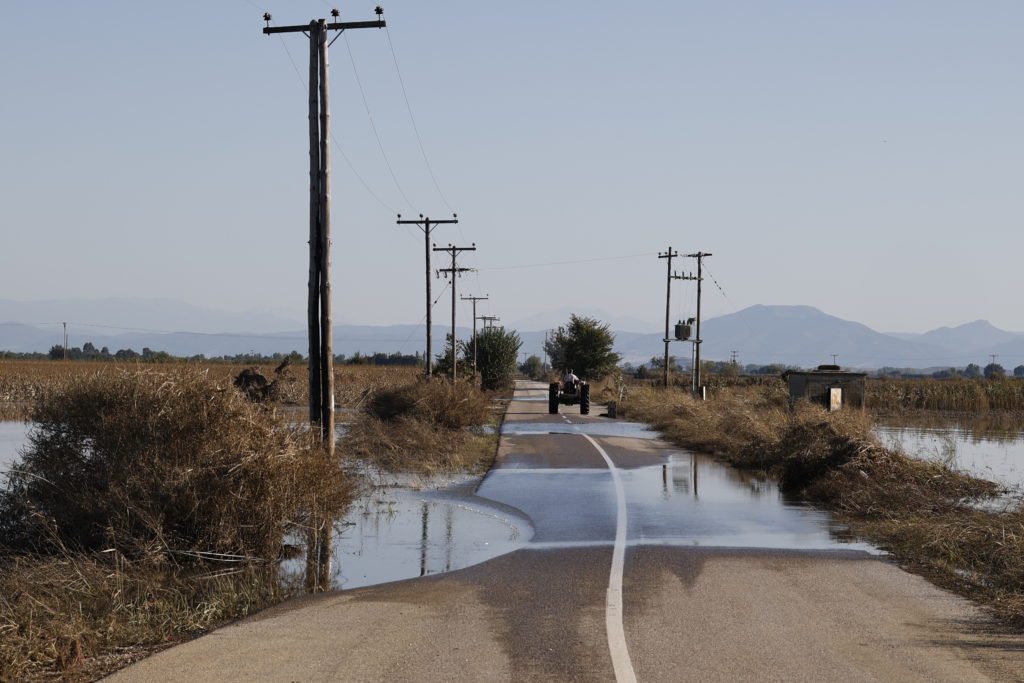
{"x": 669, "y": 276}
{"x": 474, "y": 299}
{"x": 700, "y": 256}
{"x": 489, "y": 321}
{"x": 65, "y": 341}
{"x": 321, "y": 337}
{"x": 321, "y": 344}
{"x": 426, "y": 225}
{"x": 455, "y": 272}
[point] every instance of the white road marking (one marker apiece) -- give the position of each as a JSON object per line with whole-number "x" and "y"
{"x": 613, "y": 604}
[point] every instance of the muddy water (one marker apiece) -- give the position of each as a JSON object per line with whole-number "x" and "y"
{"x": 994, "y": 455}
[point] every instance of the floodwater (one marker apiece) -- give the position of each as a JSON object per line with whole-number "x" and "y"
{"x": 673, "y": 496}
{"x": 996, "y": 455}
{"x": 402, "y": 533}
{"x": 13, "y": 435}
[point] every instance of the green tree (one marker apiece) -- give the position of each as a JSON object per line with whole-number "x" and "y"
{"x": 972, "y": 371}
{"x": 994, "y": 371}
{"x": 1018, "y": 371}
{"x": 584, "y": 346}
{"x": 443, "y": 361}
{"x": 496, "y": 352}
{"x": 532, "y": 367}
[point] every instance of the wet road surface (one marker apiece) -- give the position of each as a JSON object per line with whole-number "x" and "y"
{"x": 645, "y": 562}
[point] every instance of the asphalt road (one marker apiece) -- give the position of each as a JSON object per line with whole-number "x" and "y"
{"x": 645, "y": 562}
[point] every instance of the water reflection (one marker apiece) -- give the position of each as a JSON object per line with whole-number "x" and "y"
{"x": 991, "y": 453}
{"x": 400, "y": 533}
{"x": 13, "y": 436}
{"x": 688, "y": 499}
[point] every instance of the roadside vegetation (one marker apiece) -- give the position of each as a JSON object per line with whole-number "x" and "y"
{"x": 148, "y": 506}
{"x": 426, "y": 427}
{"x": 965, "y": 533}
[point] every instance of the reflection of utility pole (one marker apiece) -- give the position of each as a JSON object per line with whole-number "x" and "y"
{"x": 449, "y": 532}
{"x": 693, "y": 477}
{"x": 455, "y": 272}
{"x": 425, "y": 516}
{"x": 425, "y": 224}
{"x": 697, "y": 385}
{"x": 474, "y": 299}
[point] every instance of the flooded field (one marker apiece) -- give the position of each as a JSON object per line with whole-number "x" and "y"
{"x": 13, "y": 436}
{"x": 993, "y": 454}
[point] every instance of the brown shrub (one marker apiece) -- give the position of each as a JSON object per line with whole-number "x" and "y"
{"x": 425, "y": 426}
{"x": 166, "y": 462}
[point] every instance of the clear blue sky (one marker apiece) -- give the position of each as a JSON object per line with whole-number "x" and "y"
{"x": 862, "y": 157}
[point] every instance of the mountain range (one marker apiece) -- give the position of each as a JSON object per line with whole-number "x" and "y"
{"x": 792, "y": 335}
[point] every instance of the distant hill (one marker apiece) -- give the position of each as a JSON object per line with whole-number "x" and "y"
{"x": 792, "y": 335}
{"x": 980, "y": 335}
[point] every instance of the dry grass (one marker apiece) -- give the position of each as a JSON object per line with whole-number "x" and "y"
{"x": 78, "y": 616}
{"x": 148, "y": 505}
{"x": 426, "y": 426}
{"x": 926, "y": 514}
{"x": 894, "y": 397}
{"x": 21, "y": 382}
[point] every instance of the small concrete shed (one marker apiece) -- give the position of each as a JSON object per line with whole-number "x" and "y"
{"x": 828, "y": 386}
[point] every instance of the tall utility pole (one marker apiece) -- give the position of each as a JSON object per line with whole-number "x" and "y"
{"x": 321, "y": 338}
{"x": 474, "y": 299}
{"x": 455, "y": 272}
{"x": 426, "y": 225}
{"x": 65, "y": 341}
{"x": 669, "y": 277}
{"x": 700, "y": 256}
{"x": 489, "y": 321}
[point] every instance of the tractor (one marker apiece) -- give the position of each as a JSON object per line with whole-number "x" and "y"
{"x": 569, "y": 394}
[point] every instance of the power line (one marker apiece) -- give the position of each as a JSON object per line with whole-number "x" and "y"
{"x": 373, "y": 125}
{"x": 334, "y": 139}
{"x": 565, "y": 263}
{"x": 415, "y": 128}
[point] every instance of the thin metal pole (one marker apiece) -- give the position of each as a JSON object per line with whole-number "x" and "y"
{"x": 326, "y": 333}
{"x": 313, "y": 308}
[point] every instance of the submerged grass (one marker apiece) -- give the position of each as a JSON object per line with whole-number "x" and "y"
{"x": 148, "y": 505}
{"x": 961, "y": 531}
{"x": 963, "y": 396}
{"x": 426, "y": 426}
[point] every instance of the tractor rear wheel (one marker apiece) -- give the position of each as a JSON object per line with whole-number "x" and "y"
{"x": 553, "y": 398}
{"x": 585, "y": 399}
